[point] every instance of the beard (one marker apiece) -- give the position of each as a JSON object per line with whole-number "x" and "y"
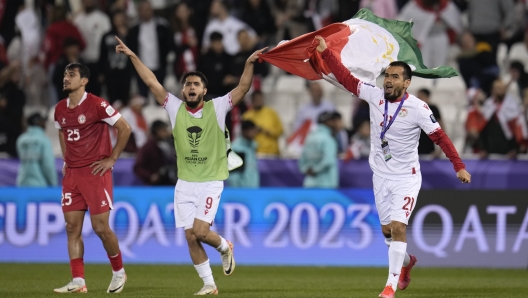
{"x": 394, "y": 95}
{"x": 193, "y": 104}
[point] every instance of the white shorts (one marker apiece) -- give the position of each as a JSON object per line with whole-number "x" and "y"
{"x": 396, "y": 199}
{"x": 196, "y": 200}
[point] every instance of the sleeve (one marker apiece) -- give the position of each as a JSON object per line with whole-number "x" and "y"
{"x": 171, "y": 105}
{"x": 329, "y": 155}
{"x": 426, "y": 119}
{"x": 365, "y": 91}
{"x": 48, "y": 163}
{"x": 107, "y": 113}
{"x": 222, "y": 106}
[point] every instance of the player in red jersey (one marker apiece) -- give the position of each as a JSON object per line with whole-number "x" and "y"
{"x": 82, "y": 120}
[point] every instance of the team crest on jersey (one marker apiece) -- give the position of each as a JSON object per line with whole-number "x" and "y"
{"x": 103, "y": 104}
{"x": 110, "y": 110}
{"x": 403, "y": 112}
{"x": 81, "y": 119}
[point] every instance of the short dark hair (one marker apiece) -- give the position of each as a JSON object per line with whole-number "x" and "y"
{"x": 216, "y": 36}
{"x": 195, "y": 73}
{"x": 35, "y": 119}
{"x": 407, "y": 71}
{"x": 425, "y": 91}
{"x": 247, "y": 125}
{"x": 157, "y": 125}
{"x": 83, "y": 69}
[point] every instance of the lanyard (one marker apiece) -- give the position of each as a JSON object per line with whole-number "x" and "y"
{"x": 386, "y": 126}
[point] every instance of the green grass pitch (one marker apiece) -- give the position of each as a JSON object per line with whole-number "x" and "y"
{"x": 38, "y": 280}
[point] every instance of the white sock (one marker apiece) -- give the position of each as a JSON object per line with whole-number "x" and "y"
{"x": 119, "y": 272}
{"x": 205, "y": 273}
{"x": 223, "y": 245}
{"x": 79, "y": 281}
{"x": 397, "y": 251}
{"x": 407, "y": 259}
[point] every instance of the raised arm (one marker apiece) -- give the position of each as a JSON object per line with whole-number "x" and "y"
{"x": 145, "y": 74}
{"x": 245, "y": 80}
{"x": 341, "y": 73}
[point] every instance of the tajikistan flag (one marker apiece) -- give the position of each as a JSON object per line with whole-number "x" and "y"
{"x": 365, "y": 44}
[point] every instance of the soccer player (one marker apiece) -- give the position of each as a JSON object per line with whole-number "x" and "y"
{"x": 199, "y": 137}
{"x": 396, "y": 119}
{"x": 82, "y": 120}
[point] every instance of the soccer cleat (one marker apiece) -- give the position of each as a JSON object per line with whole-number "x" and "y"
{"x": 228, "y": 260}
{"x": 72, "y": 287}
{"x": 117, "y": 284}
{"x": 405, "y": 275}
{"x": 388, "y": 292}
{"x": 207, "y": 290}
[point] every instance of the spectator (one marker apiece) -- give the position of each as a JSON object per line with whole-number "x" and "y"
{"x": 310, "y": 111}
{"x": 57, "y": 32}
{"x": 185, "y": 40}
{"x": 347, "y": 9}
{"x": 477, "y": 64}
{"x": 489, "y": 19}
{"x": 156, "y": 160}
{"x": 341, "y": 134}
{"x": 248, "y": 45}
{"x": 268, "y": 124}
{"x": 116, "y": 69}
{"x": 506, "y": 126}
{"x": 93, "y": 24}
{"x": 133, "y": 114}
{"x": 519, "y": 77}
{"x": 289, "y": 19}
{"x": 126, "y": 6}
{"x": 519, "y": 52}
{"x": 257, "y": 14}
{"x": 360, "y": 143}
{"x": 319, "y": 155}
{"x": 516, "y": 32}
{"x": 435, "y": 21}
{"x": 150, "y": 40}
{"x": 382, "y": 8}
{"x": 12, "y": 101}
{"x": 215, "y": 65}
{"x": 37, "y": 163}
{"x": 72, "y": 53}
{"x": 425, "y": 144}
{"x": 225, "y": 24}
{"x": 475, "y": 122}
{"x": 248, "y": 174}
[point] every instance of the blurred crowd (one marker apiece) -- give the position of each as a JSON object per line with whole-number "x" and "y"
{"x": 486, "y": 40}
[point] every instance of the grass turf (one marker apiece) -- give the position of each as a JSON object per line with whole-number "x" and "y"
{"x": 38, "y": 280}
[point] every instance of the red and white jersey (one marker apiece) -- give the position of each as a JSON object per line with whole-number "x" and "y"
{"x": 85, "y": 129}
{"x": 403, "y": 134}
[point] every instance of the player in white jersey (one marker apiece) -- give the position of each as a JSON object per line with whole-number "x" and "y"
{"x": 396, "y": 119}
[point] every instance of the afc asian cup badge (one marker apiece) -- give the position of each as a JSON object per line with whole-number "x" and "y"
{"x": 82, "y": 119}
{"x": 403, "y": 112}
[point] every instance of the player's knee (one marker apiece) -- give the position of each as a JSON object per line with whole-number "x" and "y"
{"x": 201, "y": 235}
{"x": 73, "y": 229}
{"x": 189, "y": 236}
{"x": 101, "y": 230}
{"x": 398, "y": 230}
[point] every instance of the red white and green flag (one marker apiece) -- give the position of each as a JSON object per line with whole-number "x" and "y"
{"x": 365, "y": 44}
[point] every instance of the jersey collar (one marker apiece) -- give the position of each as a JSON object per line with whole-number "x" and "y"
{"x": 195, "y": 110}
{"x": 82, "y": 99}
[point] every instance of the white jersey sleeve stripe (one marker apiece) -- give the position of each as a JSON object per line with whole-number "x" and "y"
{"x": 112, "y": 120}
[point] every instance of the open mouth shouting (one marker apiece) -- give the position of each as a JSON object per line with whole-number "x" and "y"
{"x": 193, "y": 96}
